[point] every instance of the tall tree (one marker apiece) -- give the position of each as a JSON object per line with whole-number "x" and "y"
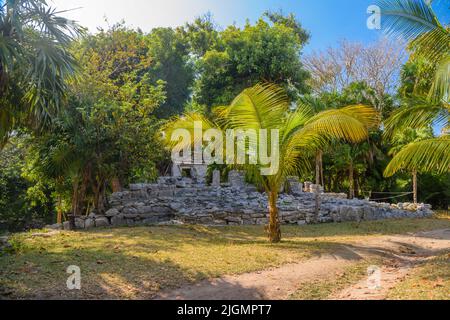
{"x": 402, "y": 139}
{"x": 416, "y": 21}
{"x": 171, "y": 63}
{"x": 34, "y": 63}
{"x": 268, "y": 51}
{"x": 377, "y": 65}
{"x": 106, "y": 135}
{"x": 202, "y": 35}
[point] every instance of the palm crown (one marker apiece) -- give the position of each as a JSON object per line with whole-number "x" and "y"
{"x": 301, "y": 132}
{"x": 415, "y": 21}
{"x": 34, "y": 62}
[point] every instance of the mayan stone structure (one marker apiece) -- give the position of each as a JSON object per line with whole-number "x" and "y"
{"x": 189, "y": 200}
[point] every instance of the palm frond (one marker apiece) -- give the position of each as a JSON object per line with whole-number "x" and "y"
{"x": 297, "y": 151}
{"x": 407, "y": 19}
{"x": 430, "y": 155}
{"x": 33, "y": 57}
{"x": 260, "y": 107}
{"x": 416, "y": 114}
{"x": 296, "y": 119}
{"x": 432, "y": 45}
{"x": 441, "y": 85}
{"x": 346, "y": 123}
{"x": 186, "y": 122}
{"x": 365, "y": 114}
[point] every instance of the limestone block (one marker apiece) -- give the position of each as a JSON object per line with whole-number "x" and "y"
{"x": 118, "y": 221}
{"x": 236, "y": 179}
{"x": 89, "y": 223}
{"x": 101, "y": 222}
{"x": 80, "y": 223}
{"x": 216, "y": 179}
{"x": 112, "y": 212}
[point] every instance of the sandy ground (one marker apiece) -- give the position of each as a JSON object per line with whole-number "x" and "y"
{"x": 402, "y": 253}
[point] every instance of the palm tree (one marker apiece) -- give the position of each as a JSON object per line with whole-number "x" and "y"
{"x": 415, "y": 21}
{"x": 316, "y": 105}
{"x": 302, "y": 133}
{"x": 34, "y": 63}
{"x": 400, "y": 140}
{"x": 430, "y": 155}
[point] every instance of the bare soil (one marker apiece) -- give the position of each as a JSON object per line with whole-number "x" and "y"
{"x": 401, "y": 254}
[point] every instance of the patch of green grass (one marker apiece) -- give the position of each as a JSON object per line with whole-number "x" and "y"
{"x": 324, "y": 289}
{"x": 344, "y": 231}
{"x": 431, "y": 281}
{"x": 136, "y": 263}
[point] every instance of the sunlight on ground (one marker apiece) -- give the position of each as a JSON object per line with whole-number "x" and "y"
{"x": 138, "y": 262}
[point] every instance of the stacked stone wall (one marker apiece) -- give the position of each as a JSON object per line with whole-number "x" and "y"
{"x": 178, "y": 200}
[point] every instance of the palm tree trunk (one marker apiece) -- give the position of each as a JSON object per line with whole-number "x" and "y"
{"x": 415, "y": 187}
{"x": 319, "y": 168}
{"x": 322, "y": 177}
{"x": 357, "y": 186}
{"x": 351, "y": 180}
{"x": 274, "y": 229}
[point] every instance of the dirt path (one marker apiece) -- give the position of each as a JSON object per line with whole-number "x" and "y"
{"x": 422, "y": 247}
{"x": 403, "y": 252}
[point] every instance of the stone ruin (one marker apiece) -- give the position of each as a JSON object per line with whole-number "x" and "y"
{"x": 181, "y": 199}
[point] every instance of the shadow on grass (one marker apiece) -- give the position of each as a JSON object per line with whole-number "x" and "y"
{"x": 104, "y": 275}
{"x": 249, "y": 234}
{"x": 118, "y": 263}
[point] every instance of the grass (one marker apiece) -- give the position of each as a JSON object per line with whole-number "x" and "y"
{"x": 134, "y": 263}
{"x": 431, "y": 281}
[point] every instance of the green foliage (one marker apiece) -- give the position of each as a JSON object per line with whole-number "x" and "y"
{"x": 430, "y": 44}
{"x": 108, "y": 130}
{"x": 22, "y": 203}
{"x": 201, "y": 35}
{"x": 415, "y": 21}
{"x": 416, "y": 77}
{"x": 172, "y": 64}
{"x": 302, "y": 132}
{"x": 425, "y": 156}
{"x": 34, "y": 63}
{"x": 266, "y": 51}
{"x": 92, "y": 107}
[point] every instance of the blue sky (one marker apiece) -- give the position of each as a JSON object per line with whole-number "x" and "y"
{"x": 328, "y": 20}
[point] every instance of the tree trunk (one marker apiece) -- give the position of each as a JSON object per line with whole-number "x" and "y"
{"x": 357, "y": 186}
{"x": 75, "y": 200}
{"x": 59, "y": 217}
{"x": 322, "y": 177}
{"x": 415, "y": 187}
{"x": 351, "y": 178}
{"x": 274, "y": 229}
{"x": 116, "y": 185}
{"x": 319, "y": 180}
{"x": 79, "y": 195}
{"x": 99, "y": 198}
